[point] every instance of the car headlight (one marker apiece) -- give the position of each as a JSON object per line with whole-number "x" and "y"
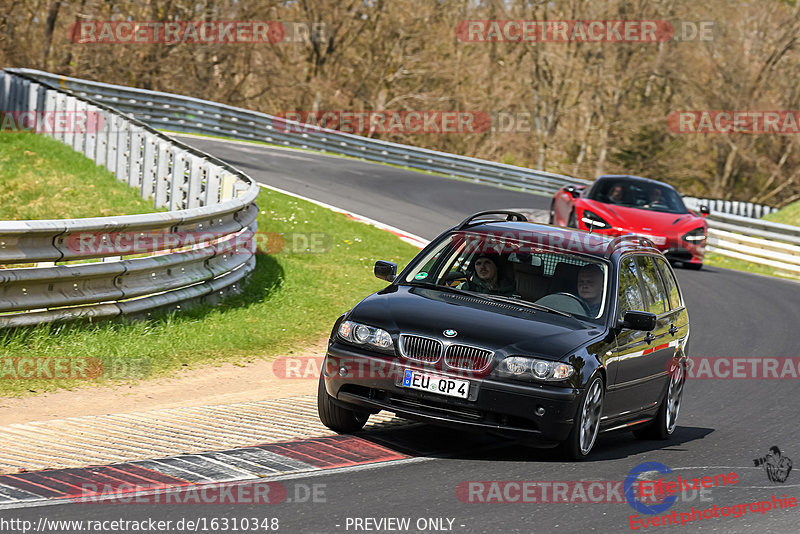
{"x": 695, "y": 236}
{"x": 527, "y": 368}
{"x": 592, "y": 219}
{"x": 361, "y": 334}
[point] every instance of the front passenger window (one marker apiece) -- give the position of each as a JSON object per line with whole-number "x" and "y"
{"x": 655, "y": 296}
{"x": 630, "y": 296}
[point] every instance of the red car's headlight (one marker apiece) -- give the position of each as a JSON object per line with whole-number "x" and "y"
{"x": 593, "y": 220}
{"x": 696, "y": 236}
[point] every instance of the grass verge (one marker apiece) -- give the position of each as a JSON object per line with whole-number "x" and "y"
{"x": 291, "y": 298}
{"x": 41, "y": 178}
{"x": 713, "y": 259}
{"x": 787, "y": 215}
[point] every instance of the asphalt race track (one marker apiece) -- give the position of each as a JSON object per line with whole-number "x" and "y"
{"x": 723, "y": 426}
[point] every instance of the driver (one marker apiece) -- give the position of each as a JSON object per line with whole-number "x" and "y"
{"x": 655, "y": 197}
{"x": 487, "y": 278}
{"x": 590, "y": 287}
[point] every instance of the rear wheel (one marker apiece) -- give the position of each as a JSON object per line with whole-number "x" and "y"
{"x": 552, "y": 211}
{"x": 334, "y": 416}
{"x": 693, "y": 266}
{"x": 666, "y": 419}
{"x": 573, "y": 220}
{"x": 584, "y": 431}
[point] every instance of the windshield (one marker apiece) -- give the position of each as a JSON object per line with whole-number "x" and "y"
{"x": 638, "y": 194}
{"x": 512, "y": 269}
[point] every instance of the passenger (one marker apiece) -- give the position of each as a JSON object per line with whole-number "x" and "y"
{"x": 487, "y": 278}
{"x": 590, "y": 287}
{"x": 616, "y": 195}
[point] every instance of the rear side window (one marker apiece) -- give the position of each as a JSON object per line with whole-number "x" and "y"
{"x": 655, "y": 296}
{"x": 630, "y": 296}
{"x": 671, "y": 284}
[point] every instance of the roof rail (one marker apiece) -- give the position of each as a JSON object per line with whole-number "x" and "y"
{"x": 510, "y": 216}
{"x": 638, "y": 239}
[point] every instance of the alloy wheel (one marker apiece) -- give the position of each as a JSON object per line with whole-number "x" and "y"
{"x": 590, "y": 416}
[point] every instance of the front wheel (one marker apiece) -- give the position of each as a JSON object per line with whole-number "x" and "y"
{"x": 666, "y": 419}
{"x": 334, "y": 416}
{"x": 573, "y": 220}
{"x": 584, "y": 431}
{"x": 552, "y": 212}
{"x": 693, "y": 266}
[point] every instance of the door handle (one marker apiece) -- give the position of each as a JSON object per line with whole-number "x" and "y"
{"x": 673, "y": 329}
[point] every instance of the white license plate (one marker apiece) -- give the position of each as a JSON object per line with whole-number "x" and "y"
{"x": 436, "y": 384}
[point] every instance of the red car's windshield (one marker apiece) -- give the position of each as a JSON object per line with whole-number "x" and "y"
{"x": 642, "y": 195}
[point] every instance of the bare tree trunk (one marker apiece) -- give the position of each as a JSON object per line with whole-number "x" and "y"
{"x": 50, "y": 25}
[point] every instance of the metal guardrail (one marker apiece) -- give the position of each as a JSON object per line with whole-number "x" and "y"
{"x": 730, "y": 207}
{"x": 203, "y": 194}
{"x": 192, "y": 115}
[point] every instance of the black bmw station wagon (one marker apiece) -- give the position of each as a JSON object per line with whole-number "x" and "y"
{"x": 524, "y": 330}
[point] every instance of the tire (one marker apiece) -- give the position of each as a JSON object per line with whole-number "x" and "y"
{"x": 692, "y": 266}
{"x": 573, "y": 221}
{"x": 666, "y": 420}
{"x": 334, "y": 416}
{"x": 586, "y": 427}
{"x": 552, "y": 211}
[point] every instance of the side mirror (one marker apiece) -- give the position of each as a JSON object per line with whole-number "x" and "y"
{"x": 704, "y": 210}
{"x": 572, "y": 191}
{"x": 386, "y": 270}
{"x": 639, "y": 320}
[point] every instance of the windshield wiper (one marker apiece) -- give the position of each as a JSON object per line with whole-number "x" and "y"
{"x": 517, "y": 302}
{"x": 496, "y": 298}
{"x": 449, "y": 289}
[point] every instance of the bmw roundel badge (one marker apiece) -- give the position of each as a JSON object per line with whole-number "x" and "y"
{"x": 450, "y": 333}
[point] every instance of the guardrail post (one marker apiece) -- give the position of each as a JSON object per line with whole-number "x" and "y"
{"x": 61, "y": 107}
{"x": 227, "y": 188}
{"x": 135, "y": 159}
{"x": 49, "y": 108}
{"x": 213, "y": 184}
{"x": 123, "y": 150}
{"x": 195, "y": 182}
{"x": 179, "y": 182}
{"x": 149, "y": 167}
{"x": 101, "y": 146}
{"x": 112, "y": 149}
{"x": 162, "y": 176}
{"x": 93, "y": 125}
{"x": 33, "y": 99}
{"x": 66, "y": 122}
{"x": 5, "y": 87}
{"x": 12, "y": 95}
{"x": 81, "y": 122}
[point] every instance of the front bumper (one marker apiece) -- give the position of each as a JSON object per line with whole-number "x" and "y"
{"x": 673, "y": 247}
{"x": 494, "y": 406}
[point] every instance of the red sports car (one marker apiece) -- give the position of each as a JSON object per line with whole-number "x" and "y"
{"x": 621, "y": 205}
